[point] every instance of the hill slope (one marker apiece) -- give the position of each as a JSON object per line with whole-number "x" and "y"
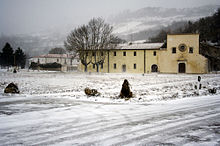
{"x": 152, "y": 18}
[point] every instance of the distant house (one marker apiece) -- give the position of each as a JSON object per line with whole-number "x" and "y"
{"x": 179, "y": 55}
{"x": 67, "y": 61}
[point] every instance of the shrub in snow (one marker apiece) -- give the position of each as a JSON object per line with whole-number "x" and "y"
{"x": 213, "y": 90}
{"x": 51, "y": 65}
{"x": 175, "y": 95}
{"x": 91, "y": 92}
{"x": 14, "y": 71}
{"x": 11, "y": 88}
{"x": 125, "y": 90}
{"x": 45, "y": 66}
{"x": 33, "y": 65}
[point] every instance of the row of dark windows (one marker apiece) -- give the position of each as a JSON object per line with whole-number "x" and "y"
{"x": 135, "y": 66}
{"x": 64, "y": 62}
{"x": 115, "y": 66}
{"x": 38, "y": 60}
{"x": 135, "y": 53}
{"x": 174, "y": 50}
{"x": 115, "y": 53}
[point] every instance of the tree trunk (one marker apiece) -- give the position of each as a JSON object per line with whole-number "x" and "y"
{"x": 97, "y": 67}
{"x": 85, "y": 70}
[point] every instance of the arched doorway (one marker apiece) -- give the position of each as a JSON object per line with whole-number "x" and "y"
{"x": 154, "y": 68}
{"x": 124, "y": 68}
{"x": 182, "y": 68}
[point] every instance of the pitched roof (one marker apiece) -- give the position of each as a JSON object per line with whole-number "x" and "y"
{"x": 147, "y": 46}
{"x": 54, "y": 56}
{"x": 183, "y": 34}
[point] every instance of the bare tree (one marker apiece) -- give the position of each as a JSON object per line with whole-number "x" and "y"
{"x": 91, "y": 42}
{"x": 57, "y": 50}
{"x": 78, "y": 42}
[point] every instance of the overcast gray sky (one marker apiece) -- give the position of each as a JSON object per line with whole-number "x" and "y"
{"x": 27, "y": 16}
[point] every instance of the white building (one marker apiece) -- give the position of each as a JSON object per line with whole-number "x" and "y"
{"x": 67, "y": 61}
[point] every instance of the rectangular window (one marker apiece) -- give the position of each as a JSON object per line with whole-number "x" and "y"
{"x": 135, "y": 66}
{"x": 102, "y": 53}
{"x": 101, "y": 65}
{"x": 93, "y": 53}
{"x": 57, "y": 60}
{"x": 174, "y": 50}
{"x": 124, "y": 53}
{"x": 86, "y": 53}
{"x": 93, "y": 66}
{"x": 114, "y": 65}
{"x": 135, "y": 54}
{"x": 114, "y": 53}
{"x": 155, "y": 53}
{"x": 190, "y": 49}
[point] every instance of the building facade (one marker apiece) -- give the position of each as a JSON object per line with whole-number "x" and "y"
{"x": 66, "y": 60}
{"x": 180, "y": 55}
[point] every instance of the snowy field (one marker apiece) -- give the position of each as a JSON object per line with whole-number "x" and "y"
{"x": 52, "y": 109}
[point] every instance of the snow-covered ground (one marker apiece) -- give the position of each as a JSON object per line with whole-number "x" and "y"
{"x": 52, "y": 109}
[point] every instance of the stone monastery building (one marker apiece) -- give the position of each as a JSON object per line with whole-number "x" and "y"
{"x": 180, "y": 55}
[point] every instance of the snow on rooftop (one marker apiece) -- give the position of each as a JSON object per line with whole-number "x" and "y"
{"x": 54, "y": 56}
{"x": 140, "y": 46}
{"x": 139, "y": 42}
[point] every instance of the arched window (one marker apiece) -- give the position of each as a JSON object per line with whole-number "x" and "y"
{"x": 154, "y": 68}
{"x": 114, "y": 53}
{"x": 135, "y": 53}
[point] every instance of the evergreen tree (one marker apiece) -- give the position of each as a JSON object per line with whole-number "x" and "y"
{"x": 7, "y": 57}
{"x": 216, "y": 17}
{"x": 20, "y": 58}
{"x": 1, "y": 63}
{"x": 189, "y": 28}
{"x": 161, "y": 37}
{"x": 207, "y": 27}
